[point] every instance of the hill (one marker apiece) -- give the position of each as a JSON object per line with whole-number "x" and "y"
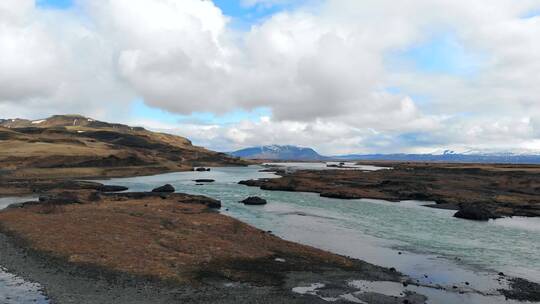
{"x": 77, "y": 146}
{"x": 276, "y": 152}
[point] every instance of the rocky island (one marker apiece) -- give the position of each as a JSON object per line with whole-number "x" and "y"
{"x": 477, "y": 191}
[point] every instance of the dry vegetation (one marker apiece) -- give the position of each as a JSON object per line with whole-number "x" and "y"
{"x": 76, "y": 146}
{"x": 504, "y": 190}
{"x": 176, "y": 238}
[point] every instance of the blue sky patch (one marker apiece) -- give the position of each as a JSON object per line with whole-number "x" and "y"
{"x": 55, "y": 4}
{"x": 531, "y": 14}
{"x": 243, "y": 16}
{"x": 140, "y": 110}
{"x": 442, "y": 54}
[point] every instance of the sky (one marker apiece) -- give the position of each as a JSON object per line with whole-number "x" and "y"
{"x": 341, "y": 76}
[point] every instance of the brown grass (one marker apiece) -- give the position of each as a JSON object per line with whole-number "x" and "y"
{"x": 153, "y": 237}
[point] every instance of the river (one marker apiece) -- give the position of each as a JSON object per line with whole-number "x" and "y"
{"x": 427, "y": 244}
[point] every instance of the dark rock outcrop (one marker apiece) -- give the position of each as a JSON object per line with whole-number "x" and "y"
{"x": 475, "y": 212}
{"x": 201, "y": 169}
{"x": 204, "y": 180}
{"x": 112, "y": 188}
{"x": 168, "y": 188}
{"x": 340, "y": 194}
{"x": 211, "y": 203}
{"x": 64, "y": 198}
{"x": 254, "y": 200}
{"x": 522, "y": 290}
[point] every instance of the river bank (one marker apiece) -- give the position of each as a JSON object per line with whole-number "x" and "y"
{"x": 478, "y": 191}
{"x": 313, "y": 223}
{"x": 147, "y": 247}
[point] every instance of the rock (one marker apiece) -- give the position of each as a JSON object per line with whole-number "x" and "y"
{"x": 475, "y": 212}
{"x": 339, "y": 194}
{"x": 204, "y": 180}
{"x": 112, "y": 188}
{"x": 522, "y": 290}
{"x": 16, "y": 205}
{"x": 209, "y": 202}
{"x": 166, "y": 188}
{"x": 250, "y": 182}
{"x": 64, "y": 198}
{"x": 254, "y": 200}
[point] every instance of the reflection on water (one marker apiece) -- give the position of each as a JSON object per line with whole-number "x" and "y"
{"x": 14, "y": 290}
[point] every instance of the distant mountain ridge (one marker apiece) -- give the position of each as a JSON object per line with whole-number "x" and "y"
{"x": 503, "y": 158}
{"x": 289, "y": 152}
{"x": 278, "y": 152}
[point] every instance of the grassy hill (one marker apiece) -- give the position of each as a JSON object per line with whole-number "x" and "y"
{"x": 77, "y": 146}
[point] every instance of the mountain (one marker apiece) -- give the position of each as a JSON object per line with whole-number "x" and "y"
{"x": 500, "y": 157}
{"x": 276, "y": 152}
{"x": 78, "y": 146}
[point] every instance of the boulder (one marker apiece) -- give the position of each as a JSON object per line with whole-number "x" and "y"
{"x": 254, "y": 200}
{"x": 111, "y": 188}
{"x": 201, "y": 169}
{"x": 475, "y": 212}
{"x": 168, "y": 188}
{"x": 204, "y": 180}
{"x": 64, "y": 198}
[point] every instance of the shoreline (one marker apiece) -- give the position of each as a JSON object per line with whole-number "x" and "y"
{"x": 268, "y": 278}
{"x": 476, "y": 191}
{"x": 135, "y": 289}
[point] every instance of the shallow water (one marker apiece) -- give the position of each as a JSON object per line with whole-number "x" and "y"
{"x": 15, "y": 290}
{"x": 436, "y": 248}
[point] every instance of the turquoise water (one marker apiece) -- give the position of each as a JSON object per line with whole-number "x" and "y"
{"x": 431, "y": 240}
{"x": 436, "y": 249}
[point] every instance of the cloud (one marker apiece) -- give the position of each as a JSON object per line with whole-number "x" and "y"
{"x": 324, "y": 70}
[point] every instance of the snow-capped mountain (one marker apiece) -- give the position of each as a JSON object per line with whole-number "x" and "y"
{"x": 465, "y": 155}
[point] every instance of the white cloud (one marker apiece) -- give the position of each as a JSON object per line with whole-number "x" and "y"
{"x": 323, "y": 70}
